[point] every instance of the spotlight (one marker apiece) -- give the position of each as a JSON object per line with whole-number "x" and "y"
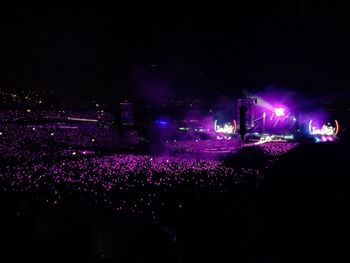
{"x": 279, "y": 112}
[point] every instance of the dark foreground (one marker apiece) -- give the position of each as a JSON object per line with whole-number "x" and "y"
{"x": 299, "y": 213}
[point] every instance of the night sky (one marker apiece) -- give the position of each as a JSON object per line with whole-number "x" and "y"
{"x": 112, "y": 52}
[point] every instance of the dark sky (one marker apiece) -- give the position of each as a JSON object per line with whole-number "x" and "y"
{"x": 151, "y": 50}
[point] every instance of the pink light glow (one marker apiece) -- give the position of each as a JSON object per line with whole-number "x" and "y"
{"x": 279, "y": 112}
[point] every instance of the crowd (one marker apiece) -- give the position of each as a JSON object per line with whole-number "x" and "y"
{"x": 56, "y": 160}
{"x": 272, "y": 149}
{"x": 197, "y": 146}
{"x": 207, "y": 207}
{"x": 44, "y": 116}
{"x": 99, "y": 177}
{"x": 17, "y": 141}
{"x": 276, "y": 148}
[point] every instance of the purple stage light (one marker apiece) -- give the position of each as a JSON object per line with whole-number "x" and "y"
{"x": 279, "y": 112}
